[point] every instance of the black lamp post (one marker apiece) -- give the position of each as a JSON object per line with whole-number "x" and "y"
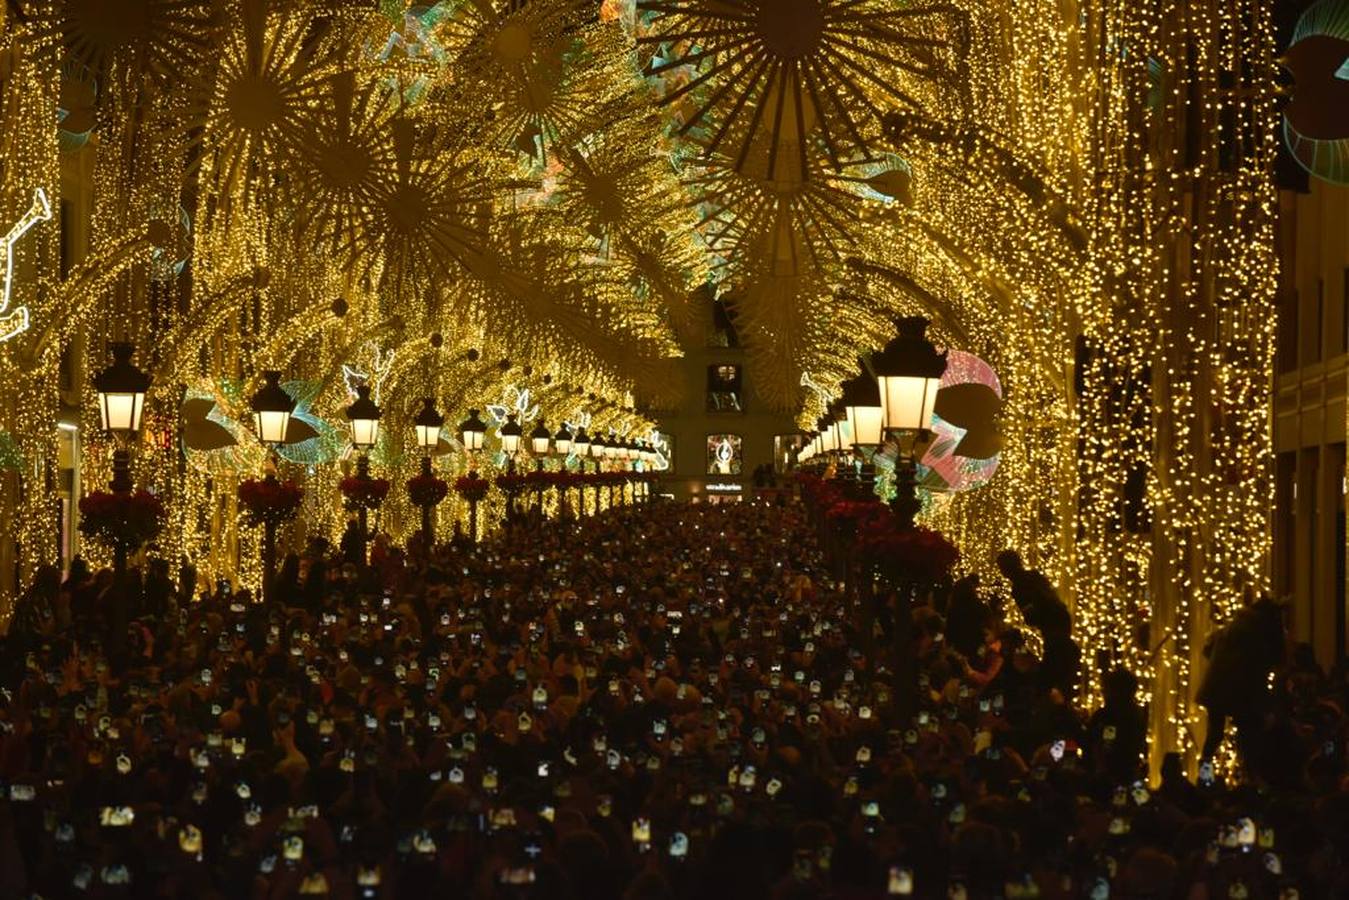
{"x": 631, "y": 453}
{"x": 540, "y": 441}
{"x": 908, "y": 376}
{"x": 512, "y": 437}
{"x": 272, "y": 408}
{"x": 580, "y": 445}
{"x": 562, "y": 442}
{"x": 598, "y": 450}
{"x": 862, "y": 407}
{"x": 613, "y": 452}
{"x": 121, "y": 389}
{"x": 363, "y": 415}
{"x": 472, "y": 431}
{"x": 427, "y": 426}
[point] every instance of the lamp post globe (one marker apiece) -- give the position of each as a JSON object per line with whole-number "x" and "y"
{"x": 272, "y": 408}
{"x": 827, "y": 434}
{"x": 862, "y": 405}
{"x": 540, "y": 439}
{"x": 562, "y": 442}
{"x": 427, "y": 425}
{"x": 363, "y": 416}
{"x": 908, "y": 376}
{"x": 121, "y": 389}
{"x": 511, "y": 436}
{"x": 472, "y": 431}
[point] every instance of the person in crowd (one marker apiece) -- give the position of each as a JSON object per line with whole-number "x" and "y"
{"x": 34, "y": 615}
{"x": 662, "y": 702}
{"x": 187, "y": 580}
{"x": 1117, "y": 733}
{"x": 1241, "y": 657}
{"x": 1042, "y": 609}
{"x": 159, "y": 590}
{"x": 967, "y": 616}
{"x": 353, "y": 543}
{"x": 77, "y": 592}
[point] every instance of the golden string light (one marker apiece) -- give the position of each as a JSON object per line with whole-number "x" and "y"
{"x": 1079, "y": 194}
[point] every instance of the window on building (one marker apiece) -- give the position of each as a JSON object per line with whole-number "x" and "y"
{"x": 724, "y": 454}
{"x": 723, "y": 388}
{"x": 724, "y": 333}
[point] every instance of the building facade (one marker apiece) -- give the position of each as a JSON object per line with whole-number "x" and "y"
{"x": 1312, "y": 375}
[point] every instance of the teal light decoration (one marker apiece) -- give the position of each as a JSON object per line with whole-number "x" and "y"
{"x": 1315, "y": 122}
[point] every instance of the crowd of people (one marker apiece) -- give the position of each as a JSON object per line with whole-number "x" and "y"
{"x": 666, "y": 701}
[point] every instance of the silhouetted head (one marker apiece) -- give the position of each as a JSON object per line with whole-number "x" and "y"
{"x": 1009, "y": 563}
{"x": 1119, "y": 686}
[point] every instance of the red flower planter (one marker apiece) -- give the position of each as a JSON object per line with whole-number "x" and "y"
{"x": 427, "y": 490}
{"x": 914, "y": 555}
{"x": 269, "y": 500}
{"x": 511, "y": 483}
{"x": 121, "y": 521}
{"x": 364, "y": 493}
{"x": 471, "y": 487}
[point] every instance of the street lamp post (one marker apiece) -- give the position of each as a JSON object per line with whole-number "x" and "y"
{"x": 272, "y": 408}
{"x": 540, "y": 440}
{"x": 427, "y": 427}
{"x": 645, "y": 456}
{"x": 472, "y": 431}
{"x": 562, "y": 447}
{"x": 121, "y": 389}
{"x": 630, "y": 448}
{"x": 908, "y": 376}
{"x": 613, "y": 449}
{"x": 512, "y": 435}
{"x": 363, "y": 416}
{"x": 598, "y": 451}
{"x": 862, "y": 408}
{"x": 580, "y": 446}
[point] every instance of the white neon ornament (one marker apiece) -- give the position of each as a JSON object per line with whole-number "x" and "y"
{"x": 513, "y": 400}
{"x": 16, "y": 322}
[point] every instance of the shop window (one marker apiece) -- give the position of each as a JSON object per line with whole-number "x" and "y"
{"x": 724, "y": 454}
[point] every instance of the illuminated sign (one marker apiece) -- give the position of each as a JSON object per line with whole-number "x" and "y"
{"x": 16, "y": 322}
{"x": 721, "y": 487}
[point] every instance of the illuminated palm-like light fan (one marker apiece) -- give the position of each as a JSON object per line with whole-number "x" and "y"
{"x": 786, "y": 71}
